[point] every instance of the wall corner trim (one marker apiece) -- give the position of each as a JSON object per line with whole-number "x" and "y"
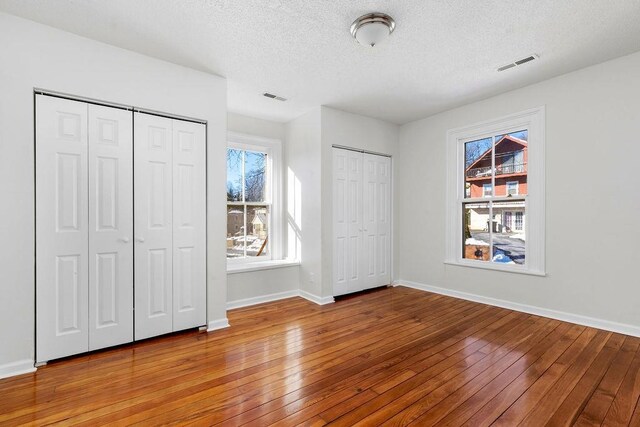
{"x": 214, "y": 325}
{"x": 607, "y": 325}
{"x": 316, "y": 299}
{"x": 20, "y": 367}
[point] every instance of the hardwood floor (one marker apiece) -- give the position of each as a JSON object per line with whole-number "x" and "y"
{"x": 395, "y": 356}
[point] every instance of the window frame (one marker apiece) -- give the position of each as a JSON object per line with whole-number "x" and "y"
{"x": 273, "y": 198}
{"x": 517, "y": 183}
{"x": 533, "y": 121}
{"x": 484, "y": 190}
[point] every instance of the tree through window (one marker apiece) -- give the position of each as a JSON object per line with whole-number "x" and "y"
{"x": 248, "y": 204}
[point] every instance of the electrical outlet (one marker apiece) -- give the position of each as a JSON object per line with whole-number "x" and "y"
{"x": 312, "y": 277}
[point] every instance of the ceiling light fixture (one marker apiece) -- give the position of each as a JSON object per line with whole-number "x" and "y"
{"x": 372, "y": 28}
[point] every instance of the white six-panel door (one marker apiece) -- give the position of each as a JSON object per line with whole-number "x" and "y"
{"x": 189, "y": 225}
{"x": 61, "y": 228}
{"x": 85, "y": 218}
{"x": 170, "y": 225}
{"x": 347, "y": 221}
{"x": 110, "y": 227}
{"x": 153, "y": 189}
{"x": 376, "y": 222}
{"x": 361, "y": 221}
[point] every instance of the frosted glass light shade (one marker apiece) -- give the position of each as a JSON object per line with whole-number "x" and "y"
{"x": 372, "y": 34}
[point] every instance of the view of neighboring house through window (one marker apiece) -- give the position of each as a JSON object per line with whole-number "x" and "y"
{"x": 248, "y": 204}
{"x": 495, "y": 187}
{"x": 496, "y": 194}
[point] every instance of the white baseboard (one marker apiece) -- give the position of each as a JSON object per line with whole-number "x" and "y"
{"x": 262, "y": 299}
{"x": 316, "y": 299}
{"x": 607, "y": 325}
{"x": 20, "y": 367}
{"x": 214, "y": 325}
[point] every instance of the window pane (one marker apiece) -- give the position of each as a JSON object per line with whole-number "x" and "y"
{"x": 234, "y": 175}
{"x": 509, "y": 241}
{"x": 257, "y": 231}
{"x": 511, "y": 163}
{"x": 476, "y": 237}
{"x": 254, "y": 172}
{"x": 477, "y": 157}
{"x": 235, "y": 232}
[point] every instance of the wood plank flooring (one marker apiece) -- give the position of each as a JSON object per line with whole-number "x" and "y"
{"x": 394, "y": 356}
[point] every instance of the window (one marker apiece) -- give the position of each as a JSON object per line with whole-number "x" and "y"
{"x": 253, "y": 212}
{"x": 486, "y": 190}
{"x": 519, "y": 221}
{"x": 495, "y": 194}
{"x": 507, "y": 220}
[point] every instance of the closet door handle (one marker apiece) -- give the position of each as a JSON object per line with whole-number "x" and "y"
{"x": 140, "y": 239}
{"x": 124, "y": 239}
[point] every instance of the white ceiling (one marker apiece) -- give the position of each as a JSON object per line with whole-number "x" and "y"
{"x": 443, "y": 53}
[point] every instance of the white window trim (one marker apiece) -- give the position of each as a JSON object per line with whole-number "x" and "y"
{"x": 517, "y": 183}
{"x": 273, "y": 148}
{"x": 534, "y": 121}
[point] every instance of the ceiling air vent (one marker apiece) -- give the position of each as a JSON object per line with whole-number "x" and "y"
{"x": 272, "y": 96}
{"x": 518, "y": 62}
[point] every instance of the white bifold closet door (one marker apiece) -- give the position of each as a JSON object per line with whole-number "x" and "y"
{"x": 169, "y": 186}
{"x": 84, "y": 267}
{"x": 361, "y": 221}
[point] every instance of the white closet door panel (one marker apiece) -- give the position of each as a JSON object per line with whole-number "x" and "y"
{"x": 110, "y": 227}
{"x": 377, "y": 224}
{"x": 153, "y": 240}
{"x": 189, "y": 225}
{"x": 370, "y": 221}
{"x": 347, "y": 221}
{"x": 61, "y": 228}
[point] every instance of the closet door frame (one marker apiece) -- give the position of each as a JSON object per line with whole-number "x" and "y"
{"x": 340, "y": 284}
{"x": 84, "y": 269}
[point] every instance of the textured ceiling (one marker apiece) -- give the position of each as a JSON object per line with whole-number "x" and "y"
{"x": 443, "y": 54}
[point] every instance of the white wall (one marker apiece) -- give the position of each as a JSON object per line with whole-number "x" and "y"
{"x": 251, "y": 285}
{"x": 308, "y": 185}
{"x": 303, "y": 210}
{"x": 263, "y": 285}
{"x": 34, "y": 55}
{"x": 355, "y": 131}
{"x": 592, "y": 197}
{"x": 258, "y": 127}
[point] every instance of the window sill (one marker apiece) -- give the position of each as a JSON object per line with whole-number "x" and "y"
{"x": 260, "y": 265}
{"x": 496, "y": 267}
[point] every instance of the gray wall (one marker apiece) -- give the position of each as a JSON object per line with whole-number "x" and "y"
{"x": 592, "y": 197}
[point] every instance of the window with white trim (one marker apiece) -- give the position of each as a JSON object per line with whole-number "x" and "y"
{"x": 253, "y": 205}
{"x": 486, "y": 190}
{"x": 495, "y": 193}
